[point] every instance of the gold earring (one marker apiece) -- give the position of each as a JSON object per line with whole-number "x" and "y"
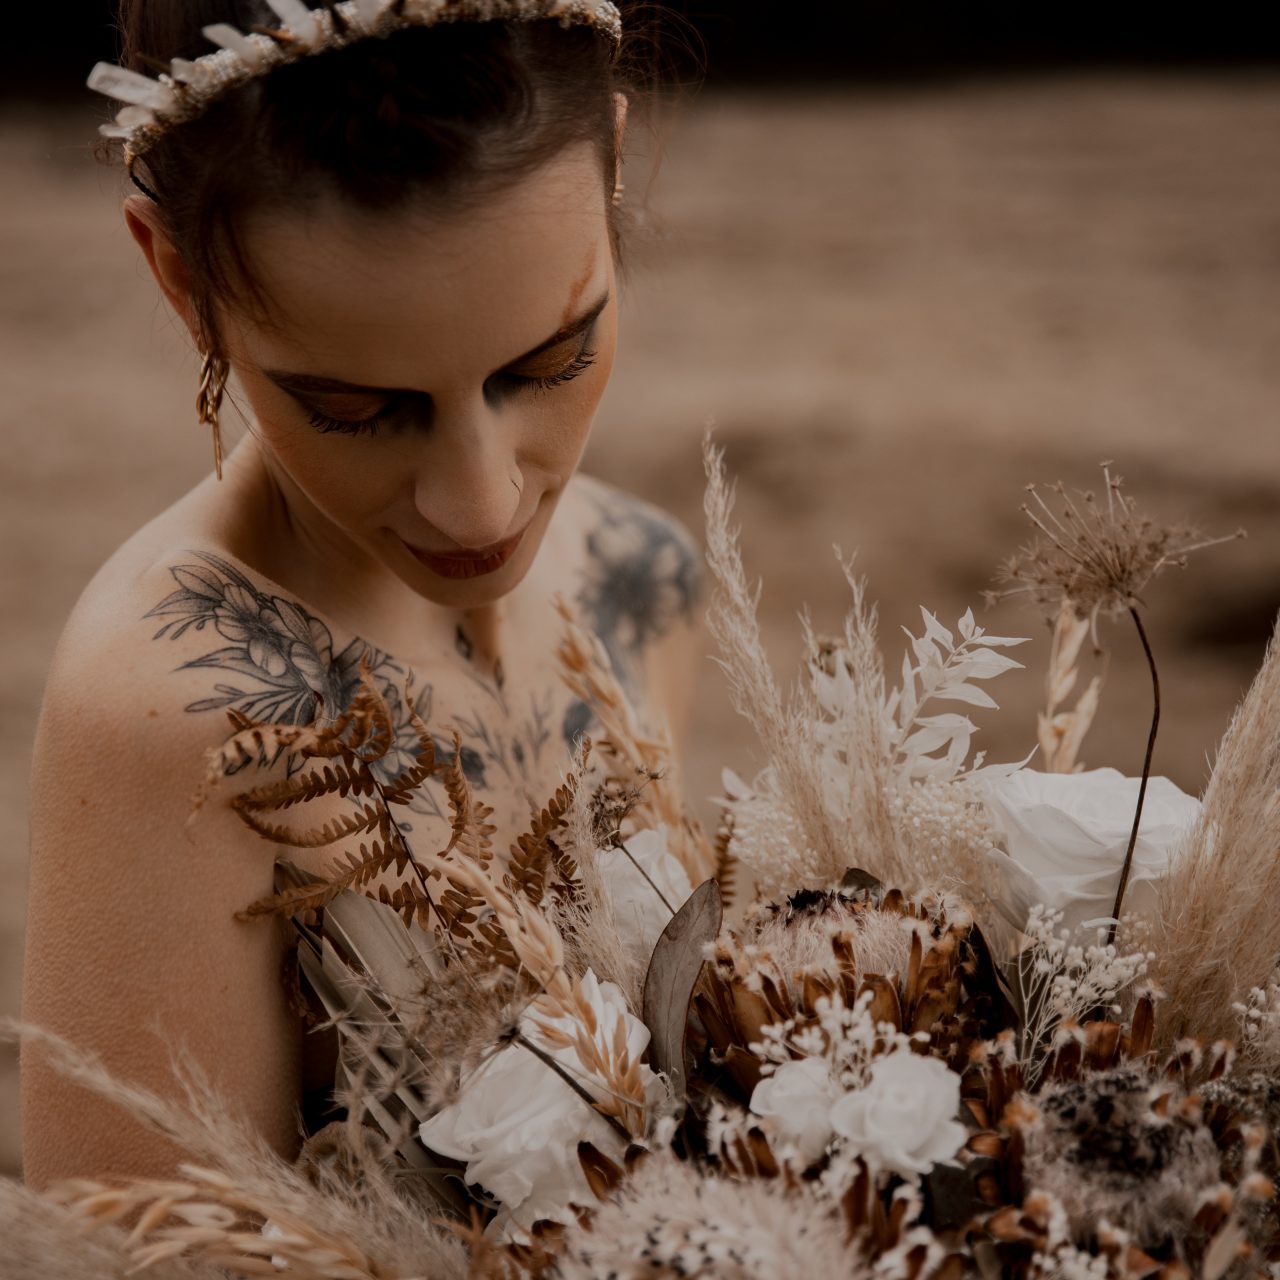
{"x": 618, "y": 190}
{"x": 213, "y": 382}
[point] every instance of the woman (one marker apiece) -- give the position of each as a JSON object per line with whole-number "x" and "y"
{"x": 396, "y": 226}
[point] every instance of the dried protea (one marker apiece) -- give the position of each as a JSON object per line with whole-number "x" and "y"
{"x": 1244, "y": 1115}
{"x": 1120, "y": 1148}
{"x": 920, "y": 962}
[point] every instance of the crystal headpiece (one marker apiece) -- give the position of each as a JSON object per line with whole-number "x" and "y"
{"x": 188, "y": 89}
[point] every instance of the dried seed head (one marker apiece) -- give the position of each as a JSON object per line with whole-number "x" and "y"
{"x": 671, "y": 1219}
{"x": 1098, "y": 556}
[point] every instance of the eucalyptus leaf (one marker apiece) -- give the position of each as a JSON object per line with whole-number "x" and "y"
{"x": 674, "y": 967}
{"x": 855, "y": 880}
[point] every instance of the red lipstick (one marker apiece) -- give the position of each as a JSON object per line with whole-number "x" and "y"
{"x": 467, "y": 563}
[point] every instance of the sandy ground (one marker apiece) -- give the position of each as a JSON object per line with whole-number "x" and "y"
{"x": 898, "y": 307}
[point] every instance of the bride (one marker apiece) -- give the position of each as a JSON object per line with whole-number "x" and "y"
{"x": 396, "y": 224}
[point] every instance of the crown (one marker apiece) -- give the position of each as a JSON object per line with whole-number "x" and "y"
{"x": 188, "y": 89}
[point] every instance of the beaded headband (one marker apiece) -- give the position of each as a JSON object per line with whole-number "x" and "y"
{"x": 188, "y": 89}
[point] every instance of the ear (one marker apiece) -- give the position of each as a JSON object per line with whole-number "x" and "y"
{"x": 146, "y": 225}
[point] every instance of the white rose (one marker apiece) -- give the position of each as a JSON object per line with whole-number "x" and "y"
{"x": 904, "y": 1120}
{"x": 1066, "y": 834}
{"x": 639, "y": 914}
{"x": 797, "y": 1101}
{"x": 517, "y": 1124}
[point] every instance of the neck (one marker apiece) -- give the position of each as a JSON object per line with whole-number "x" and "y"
{"x": 297, "y": 546}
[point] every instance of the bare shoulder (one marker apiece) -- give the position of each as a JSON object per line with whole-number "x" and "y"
{"x": 641, "y": 579}
{"x": 131, "y": 656}
{"x": 133, "y": 947}
{"x": 640, "y": 590}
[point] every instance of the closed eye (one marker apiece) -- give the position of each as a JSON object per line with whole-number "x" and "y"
{"x": 371, "y": 424}
{"x": 542, "y": 369}
{"x": 578, "y": 364}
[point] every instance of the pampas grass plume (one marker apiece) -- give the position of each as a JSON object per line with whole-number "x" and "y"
{"x": 330, "y": 1230}
{"x": 1217, "y": 932}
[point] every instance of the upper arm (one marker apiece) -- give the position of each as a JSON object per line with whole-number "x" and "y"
{"x": 133, "y": 951}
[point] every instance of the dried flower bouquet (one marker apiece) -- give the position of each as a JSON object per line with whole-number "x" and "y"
{"x": 989, "y": 1020}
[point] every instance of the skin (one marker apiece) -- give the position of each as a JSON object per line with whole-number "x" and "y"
{"x": 133, "y": 949}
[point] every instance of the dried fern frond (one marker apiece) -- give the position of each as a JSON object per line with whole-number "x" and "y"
{"x": 471, "y": 832}
{"x": 359, "y": 738}
{"x": 353, "y": 871}
{"x": 340, "y": 780}
{"x": 360, "y": 822}
{"x": 1217, "y": 934}
{"x": 536, "y": 854}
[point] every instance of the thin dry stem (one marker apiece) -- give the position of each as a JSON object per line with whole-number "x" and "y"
{"x": 1127, "y": 865}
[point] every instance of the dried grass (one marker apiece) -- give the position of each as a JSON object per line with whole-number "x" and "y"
{"x": 46, "y": 1240}
{"x": 331, "y": 1229}
{"x": 1217, "y": 932}
{"x": 1061, "y": 732}
{"x": 587, "y": 920}
{"x": 863, "y": 834}
{"x": 646, "y": 757}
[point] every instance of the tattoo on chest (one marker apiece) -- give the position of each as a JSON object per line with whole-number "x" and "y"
{"x": 276, "y": 662}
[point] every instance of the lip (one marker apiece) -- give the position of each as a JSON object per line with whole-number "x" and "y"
{"x": 468, "y": 564}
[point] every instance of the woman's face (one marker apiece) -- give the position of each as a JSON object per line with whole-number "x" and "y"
{"x": 424, "y": 386}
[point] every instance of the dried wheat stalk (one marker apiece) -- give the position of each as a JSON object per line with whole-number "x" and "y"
{"x": 1061, "y": 733}
{"x": 587, "y": 672}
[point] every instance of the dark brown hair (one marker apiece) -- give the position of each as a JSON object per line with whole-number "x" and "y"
{"x": 448, "y": 114}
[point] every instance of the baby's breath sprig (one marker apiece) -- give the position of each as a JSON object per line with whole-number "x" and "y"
{"x": 1098, "y": 559}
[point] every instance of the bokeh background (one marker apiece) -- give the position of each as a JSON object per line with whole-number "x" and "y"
{"x": 908, "y": 257}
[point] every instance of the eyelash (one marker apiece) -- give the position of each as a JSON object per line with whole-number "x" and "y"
{"x": 370, "y": 426}
{"x": 579, "y": 364}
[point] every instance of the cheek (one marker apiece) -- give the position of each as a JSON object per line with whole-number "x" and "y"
{"x": 336, "y": 474}
{"x": 559, "y": 427}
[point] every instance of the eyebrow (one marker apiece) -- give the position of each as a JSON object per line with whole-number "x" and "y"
{"x": 313, "y": 384}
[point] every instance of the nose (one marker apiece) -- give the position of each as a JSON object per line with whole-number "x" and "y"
{"x": 464, "y": 486}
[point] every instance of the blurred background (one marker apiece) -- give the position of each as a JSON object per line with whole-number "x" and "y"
{"x": 907, "y": 256}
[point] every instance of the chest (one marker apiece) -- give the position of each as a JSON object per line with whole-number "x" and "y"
{"x": 509, "y": 726}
